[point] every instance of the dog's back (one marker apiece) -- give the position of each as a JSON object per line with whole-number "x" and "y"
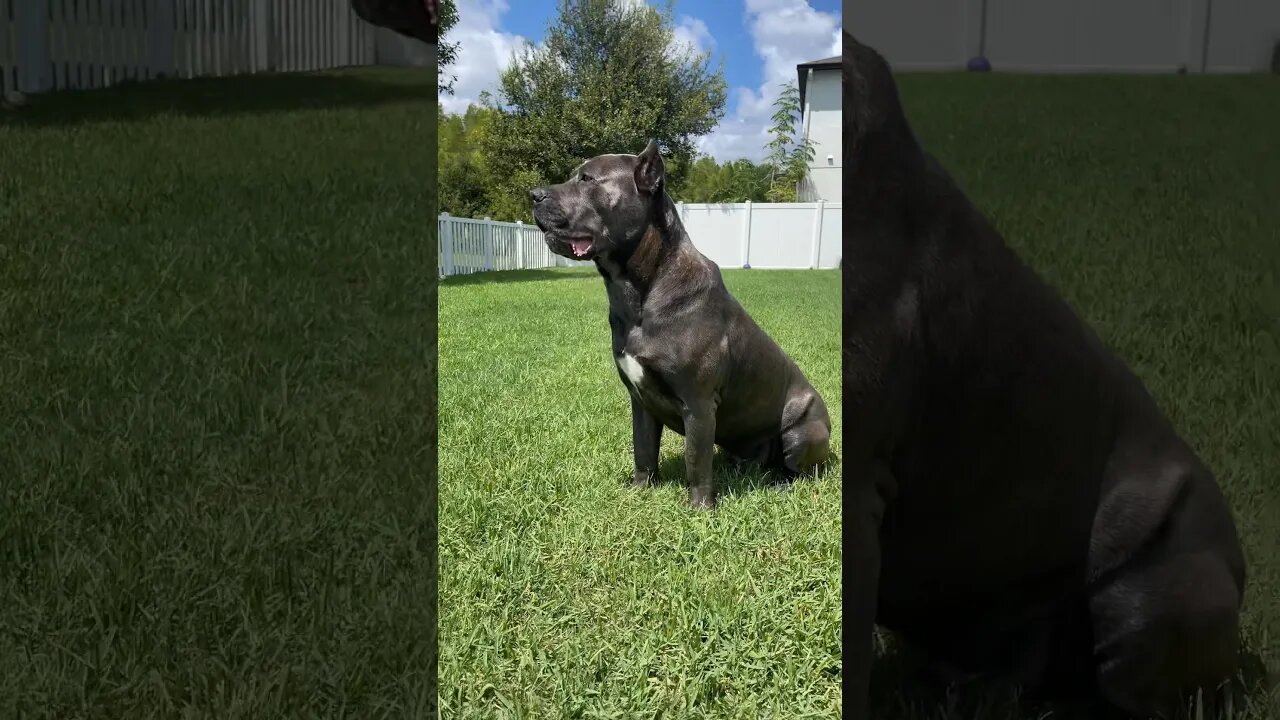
{"x": 1022, "y": 457}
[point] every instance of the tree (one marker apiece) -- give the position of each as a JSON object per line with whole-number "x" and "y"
{"x": 607, "y": 79}
{"x": 789, "y": 155}
{"x": 461, "y": 187}
{"x": 447, "y": 53}
{"x": 735, "y": 181}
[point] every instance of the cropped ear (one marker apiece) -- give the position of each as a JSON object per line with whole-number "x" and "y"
{"x": 650, "y": 172}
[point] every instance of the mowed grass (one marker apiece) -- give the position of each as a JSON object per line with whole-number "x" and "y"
{"x": 566, "y": 594}
{"x": 1152, "y": 204}
{"x": 217, "y": 396}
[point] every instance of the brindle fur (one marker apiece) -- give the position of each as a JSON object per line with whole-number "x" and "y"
{"x": 1024, "y": 506}
{"x": 708, "y": 371}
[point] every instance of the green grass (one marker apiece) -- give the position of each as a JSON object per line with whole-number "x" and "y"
{"x": 1151, "y": 203}
{"x": 217, "y": 395}
{"x": 565, "y": 593}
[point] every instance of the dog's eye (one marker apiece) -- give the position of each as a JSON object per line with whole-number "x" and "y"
{"x": 585, "y": 178}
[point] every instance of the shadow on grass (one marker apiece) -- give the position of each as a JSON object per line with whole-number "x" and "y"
{"x": 492, "y": 277}
{"x": 902, "y": 688}
{"x": 734, "y": 478}
{"x": 225, "y": 96}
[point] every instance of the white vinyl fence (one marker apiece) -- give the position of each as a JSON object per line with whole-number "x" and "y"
{"x": 755, "y": 235}
{"x": 58, "y": 44}
{"x": 1051, "y": 36}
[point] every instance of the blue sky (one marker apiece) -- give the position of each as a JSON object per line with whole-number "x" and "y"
{"x": 759, "y": 41}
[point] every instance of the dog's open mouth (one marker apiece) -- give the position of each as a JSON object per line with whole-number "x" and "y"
{"x": 579, "y": 246}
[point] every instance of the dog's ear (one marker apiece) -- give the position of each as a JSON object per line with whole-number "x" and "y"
{"x": 650, "y": 171}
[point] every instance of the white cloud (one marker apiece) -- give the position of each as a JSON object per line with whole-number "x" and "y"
{"x": 785, "y": 33}
{"x": 483, "y": 53}
{"x": 693, "y": 33}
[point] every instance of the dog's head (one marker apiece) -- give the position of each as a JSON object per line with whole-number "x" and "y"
{"x": 606, "y": 205}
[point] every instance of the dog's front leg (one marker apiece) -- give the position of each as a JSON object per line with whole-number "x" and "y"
{"x": 699, "y": 449}
{"x": 862, "y": 579}
{"x": 646, "y": 437}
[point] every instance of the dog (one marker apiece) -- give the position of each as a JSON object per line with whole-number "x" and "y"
{"x": 688, "y": 354}
{"x": 1021, "y": 505}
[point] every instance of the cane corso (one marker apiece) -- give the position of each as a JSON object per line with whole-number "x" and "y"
{"x": 1025, "y": 507}
{"x": 688, "y": 354}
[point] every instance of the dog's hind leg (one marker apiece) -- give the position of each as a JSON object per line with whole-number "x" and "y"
{"x": 1166, "y": 618}
{"x": 806, "y": 447}
{"x": 1165, "y": 631}
{"x": 806, "y": 441}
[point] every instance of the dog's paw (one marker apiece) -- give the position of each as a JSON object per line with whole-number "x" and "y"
{"x": 702, "y": 500}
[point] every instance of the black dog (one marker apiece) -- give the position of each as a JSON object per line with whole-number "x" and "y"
{"x": 690, "y": 356}
{"x": 1024, "y": 505}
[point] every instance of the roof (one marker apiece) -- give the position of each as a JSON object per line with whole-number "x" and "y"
{"x": 802, "y": 70}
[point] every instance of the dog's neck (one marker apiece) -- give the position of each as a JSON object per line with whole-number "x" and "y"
{"x": 883, "y": 172}
{"x": 661, "y": 239}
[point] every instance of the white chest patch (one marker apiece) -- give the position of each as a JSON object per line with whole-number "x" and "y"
{"x": 631, "y": 368}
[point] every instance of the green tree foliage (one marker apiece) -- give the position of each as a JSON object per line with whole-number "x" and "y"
{"x": 606, "y": 80}
{"x": 789, "y": 154}
{"x": 736, "y": 181}
{"x": 461, "y": 172}
{"x": 448, "y": 51}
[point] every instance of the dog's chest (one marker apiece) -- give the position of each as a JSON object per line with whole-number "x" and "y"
{"x": 640, "y": 369}
{"x": 632, "y": 370}
{"x": 648, "y": 386}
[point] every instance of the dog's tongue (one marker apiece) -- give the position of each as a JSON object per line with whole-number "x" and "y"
{"x": 580, "y": 247}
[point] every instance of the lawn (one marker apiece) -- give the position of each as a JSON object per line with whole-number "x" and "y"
{"x": 217, "y": 399}
{"x": 566, "y": 593}
{"x": 1153, "y": 204}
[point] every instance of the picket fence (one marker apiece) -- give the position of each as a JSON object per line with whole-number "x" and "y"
{"x": 753, "y": 235}
{"x": 62, "y": 44}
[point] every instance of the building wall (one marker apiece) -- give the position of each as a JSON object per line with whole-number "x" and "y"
{"x": 824, "y": 127}
{"x": 1077, "y": 36}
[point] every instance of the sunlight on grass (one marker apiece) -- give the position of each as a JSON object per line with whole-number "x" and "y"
{"x": 216, "y": 399}
{"x": 565, "y": 593}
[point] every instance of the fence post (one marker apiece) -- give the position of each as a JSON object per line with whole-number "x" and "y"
{"x": 488, "y": 243}
{"x": 446, "y": 242}
{"x": 262, "y": 36}
{"x": 1196, "y": 46}
{"x": 34, "y": 62}
{"x": 160, "y": 58}
{"x": 817, "y": 235}
{"x": 746, "y": 237}
{"x": 520, "y": 245}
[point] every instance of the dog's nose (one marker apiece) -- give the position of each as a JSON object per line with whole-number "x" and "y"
{"x": 539, "y": 194}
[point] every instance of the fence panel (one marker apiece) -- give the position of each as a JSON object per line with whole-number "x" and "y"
{"x": 1046, "y": 36}
{"x": 81, "y": 44}
{"x": 717, "y": 230}
{"x": 760, "y": 235}
{"x": 469, "y": 246}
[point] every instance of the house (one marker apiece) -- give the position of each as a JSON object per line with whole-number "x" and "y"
{"x": 820, "y": 107}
